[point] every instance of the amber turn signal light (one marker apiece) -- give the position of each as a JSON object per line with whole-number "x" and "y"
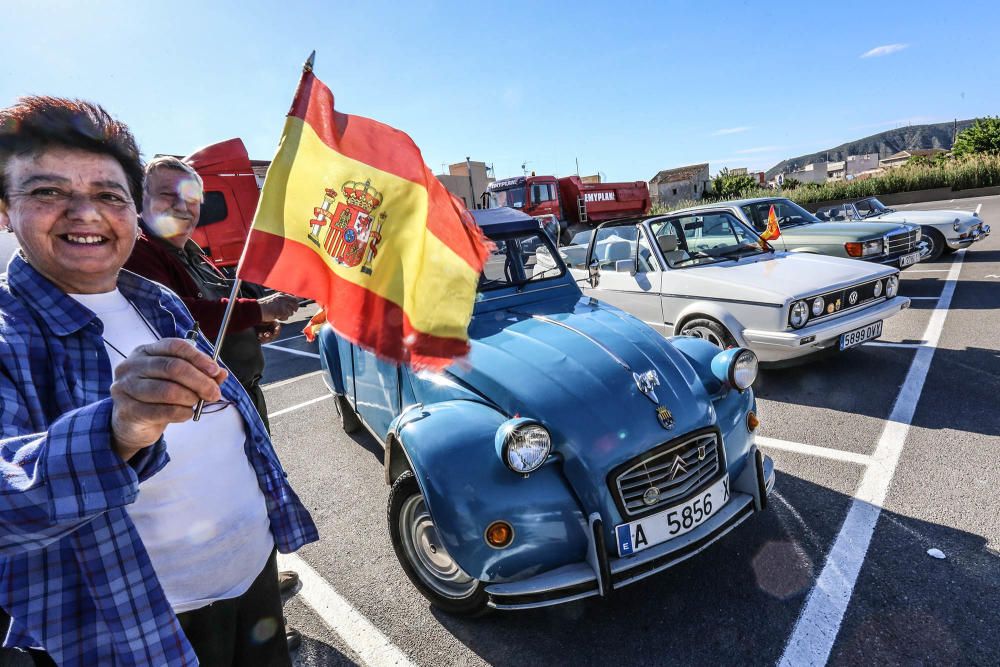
{"x": 854, "y": 249}
{"x": 499, "y": 534}
{"x": 752, "y": 421}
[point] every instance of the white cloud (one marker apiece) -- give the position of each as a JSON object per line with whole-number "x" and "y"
{"x": 729, "y": 130}
{"x": 883, "y": 50}
{"x": 760, "y": 149}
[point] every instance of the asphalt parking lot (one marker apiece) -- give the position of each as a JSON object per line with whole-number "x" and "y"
{"x": 883, "y": 453}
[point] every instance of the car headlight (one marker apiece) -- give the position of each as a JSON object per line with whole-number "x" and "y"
{"x": 523, "y": 445}
{"x": 877, "y": 288}
{"x": 736, "y": 366}
{"x": 864, "y": 248}
{"x": 892, "y": 285}
{"x": 798, "y": 314}
{"x": 817, "y": 306}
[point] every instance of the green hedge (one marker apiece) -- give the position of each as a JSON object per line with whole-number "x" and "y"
{"x": 978, "y": 171}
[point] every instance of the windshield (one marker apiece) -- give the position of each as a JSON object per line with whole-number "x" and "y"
{"x": 519, "y": 258}
{"x": 512, "y": 197}
{"x": 582, "y": 238}
{"x": 692, "y": 240}
{"x": 871, "y": 206}
{"x": 788, "y": 212}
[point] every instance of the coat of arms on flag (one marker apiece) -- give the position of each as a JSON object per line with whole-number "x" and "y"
{"x": 352, "y": 231}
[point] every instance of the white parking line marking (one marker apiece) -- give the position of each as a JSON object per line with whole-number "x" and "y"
{"x": 923, "y": 298}
{"x": 357, "y": 632}
{"x": 282, "y": 340}
{"x": 978, "y": 208}
{"x": 282, "y": 383}
{"x": 300, "y": 405}
{"x": 909, "y": 346}
{"x": 813, "y": 450}
{"x": 272, "y": 346}
{"x": 816, "y": 628}
{"x": 927, "y": 271}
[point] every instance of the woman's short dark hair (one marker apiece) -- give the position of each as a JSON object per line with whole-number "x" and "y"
{"x": 37, "y": 123}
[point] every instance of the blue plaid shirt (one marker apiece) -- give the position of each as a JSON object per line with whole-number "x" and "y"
{"x": 74, "y": 574}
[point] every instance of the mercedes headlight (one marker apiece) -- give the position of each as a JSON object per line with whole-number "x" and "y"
{"x": 523, "y": 445}
{"x": 798, "y": 314}
{"x": 892, "y": 286}
{"x": 877, "y": 288}
{"x": 817, "y": 306}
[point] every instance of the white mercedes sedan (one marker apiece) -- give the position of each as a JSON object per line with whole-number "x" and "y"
{"x": 709, "y": 275}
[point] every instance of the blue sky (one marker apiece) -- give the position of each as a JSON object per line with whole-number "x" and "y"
{"x": 626, "y": 88}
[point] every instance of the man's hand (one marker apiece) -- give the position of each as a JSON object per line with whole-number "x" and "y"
{"x": 277, "y": 306}
{"x": 268, "y": 332}
{"x": 159, "y": 384}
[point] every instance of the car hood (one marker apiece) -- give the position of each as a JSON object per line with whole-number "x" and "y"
{"x": 571, "y": 368}
{"x": 927, "y": 217}
{"x": 847, "y": 230}
{"x": 779, "y": 277}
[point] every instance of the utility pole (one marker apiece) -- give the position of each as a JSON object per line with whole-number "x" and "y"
{"x": 577, "y": 166}
{"x": 472, "y": 188}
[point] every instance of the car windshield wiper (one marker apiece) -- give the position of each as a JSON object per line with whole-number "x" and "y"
{"x": 737, "y": 253}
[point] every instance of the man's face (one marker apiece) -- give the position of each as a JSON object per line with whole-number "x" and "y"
{"x": 73, "y": 215}
{"x": 171, "y": 205}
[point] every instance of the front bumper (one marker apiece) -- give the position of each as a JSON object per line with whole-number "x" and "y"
{"x": 977, "y": 234}
{"x": 772, "y": 346}
{"x": 600, "y": 574}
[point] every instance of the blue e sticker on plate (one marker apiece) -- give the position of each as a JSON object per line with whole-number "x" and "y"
{"x": 624, "y": 540}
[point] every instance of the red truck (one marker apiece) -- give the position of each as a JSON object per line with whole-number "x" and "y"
{"x": 231, "y": 193}
{"x": 575, "y": 204}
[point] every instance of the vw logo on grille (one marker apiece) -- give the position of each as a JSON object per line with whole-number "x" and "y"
{"x": 652, "y": 496}
{"x": 852, "y": 298}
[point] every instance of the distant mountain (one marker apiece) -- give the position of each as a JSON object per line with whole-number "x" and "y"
{"x": 937, "y": 135}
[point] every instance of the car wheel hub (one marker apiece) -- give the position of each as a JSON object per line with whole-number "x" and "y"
{"x": 429, "y": 558}
{"x": 705, "y": 334}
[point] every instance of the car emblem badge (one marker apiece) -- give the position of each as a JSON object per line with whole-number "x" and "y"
{"x": 852, "y": 298}
{"x": 651, "y": 496}
{"x": 647, "y": 382}
{"x": 677, "y": 467}
{"x": 666, "y": 418}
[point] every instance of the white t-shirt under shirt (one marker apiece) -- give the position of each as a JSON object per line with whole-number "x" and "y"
{"x": 202, "y": 518}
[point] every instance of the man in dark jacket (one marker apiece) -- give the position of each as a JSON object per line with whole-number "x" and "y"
{"x": 172, "y": 195}
{"x": 164, "y": 252}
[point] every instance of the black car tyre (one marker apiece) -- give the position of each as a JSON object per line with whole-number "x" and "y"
{"x": 709, "y": 330}
{"x": 349, "y": 420}
{"x": 931, "y": 244}
{"x": 424, "y": 559}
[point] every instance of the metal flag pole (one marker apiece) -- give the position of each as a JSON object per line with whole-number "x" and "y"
{"x": 306, "y": 67}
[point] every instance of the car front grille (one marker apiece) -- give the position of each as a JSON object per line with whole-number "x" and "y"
{"x": 675, "y": 469}
{"x": 847, "y": 299}
{"x": 901, "y": 242}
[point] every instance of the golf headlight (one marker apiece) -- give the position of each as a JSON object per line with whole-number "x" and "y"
{"x": 744, "y": 370}
{"x": 892, "y": 286}
{"x": 523, "y": 445}
{"x": 877, "y": 288}
{"x": 817, "y": 306}
{"x": 799, "y": 314}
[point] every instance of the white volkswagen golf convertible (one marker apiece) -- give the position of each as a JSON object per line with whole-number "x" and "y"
{"x": 707, "y": 274}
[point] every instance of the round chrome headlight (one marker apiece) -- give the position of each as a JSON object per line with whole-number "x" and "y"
{"x": 525, "y": 447}
{"x": 818, "y": 304}
{"x": 799, "y": 314}
{"x": 744, "y": 370}
{"x": 892, "y": 286}
{"x": 877, "y": 288}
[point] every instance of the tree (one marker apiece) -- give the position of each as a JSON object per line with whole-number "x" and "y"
{"x": 982, "y": 137}
{"x": 731, "y": 186}
{"x": 790, "y": 183}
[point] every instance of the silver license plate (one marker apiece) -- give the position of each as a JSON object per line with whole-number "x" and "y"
{"x": 858, "y": 336}
{"x": 909, "y": 260}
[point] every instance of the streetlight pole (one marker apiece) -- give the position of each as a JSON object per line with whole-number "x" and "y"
{"x": 472, "y": 188}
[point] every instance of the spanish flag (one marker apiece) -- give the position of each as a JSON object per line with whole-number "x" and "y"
{"x": 773, "y": 231}
{"x": 350, "y": 216}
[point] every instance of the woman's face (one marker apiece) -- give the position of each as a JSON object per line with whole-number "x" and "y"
{"x": 73, "y": 214}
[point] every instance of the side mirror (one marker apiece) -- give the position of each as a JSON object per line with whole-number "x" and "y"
{"x": 594, "y": 272}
